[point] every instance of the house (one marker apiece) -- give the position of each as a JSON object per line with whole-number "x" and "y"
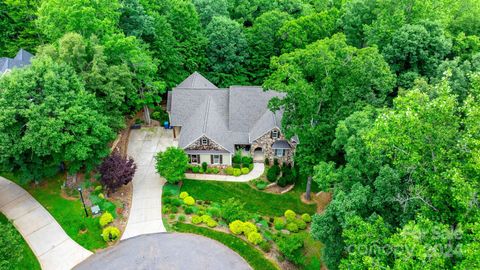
{"x": 21, "y": 59}
{"x": 211, "y": 123}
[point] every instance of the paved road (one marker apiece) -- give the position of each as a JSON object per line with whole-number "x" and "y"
{"x": 49, "y": 242}
{"x": 166, "y": 251}
{"x": 146, "y": 210}
{"x": 257, "y": 171}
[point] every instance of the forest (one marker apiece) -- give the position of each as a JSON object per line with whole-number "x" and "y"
{"x": 384, "y": 96}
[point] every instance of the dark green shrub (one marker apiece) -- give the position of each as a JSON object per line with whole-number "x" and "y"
{"x": 246, "y": 161}
{"x": 232, "y": 209}
{"x": 282, "y": 181}
{"x": 291, "y": 247}
{"x": 204, "y": 166}
{"x": 250, "y": 167}
{"x": 181, "y": 218}
{"x": 195, "y": 169}
{"x": 237, "y": 165}
{"x": 174, "y": 210}
{"x": 176, "y": 202}
{"x": 166, "y": 200}
{"x": 273, "y": 173}
{"x": 237, "y": 158}
{"x": 275, "y": 162}
{"x": 189, "y": 210}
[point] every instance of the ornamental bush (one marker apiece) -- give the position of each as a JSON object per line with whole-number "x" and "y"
{"x": 110, "y": 233}
{"x": 307, "y": 218}
{"x": 183, "y": 195}
{"x": 292, "y": 227}
{"x": 229, "y": 170}
{"x": 206, "y": 218}
{"x": 279, "y": 223}
{"x": 176, "y": 202}
{"x": 181, "y": 218}
{"x": 105, "y": 219}
{"x": 248, "y": 228}
{"x": 237, "y": 172}
{"x": 188, "y": 210}
{"x": 211, "y": 223}
{"x": 189, "y": 200}
{"x": 290, "y": 215}
{"x": 245, "y": 170}
{"x": 254, "y": 238}
{"x": 215, "y": 170}
{"x": 236, "y": 227}
{"x": 246, "y": 160}
{"x": 204, "y": 166}
{"x": 301, "y": 224}
{"x": 196, "y": 219}
{"x": 196, "y": 169}
{"x": 272, "y": 173}
{"x": 172, "y": 164}
{"x": 265, "y": 246}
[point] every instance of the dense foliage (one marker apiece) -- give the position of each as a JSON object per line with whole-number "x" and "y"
{"x": 172, "y": 164}
{"x": 116, "y": 171}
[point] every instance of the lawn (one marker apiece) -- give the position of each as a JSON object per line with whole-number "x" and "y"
{"x": 253, "y": 256}
{"x": 259, "y": 202}
{"x": 68, "y": 212}
{"x": 28, "y": 261}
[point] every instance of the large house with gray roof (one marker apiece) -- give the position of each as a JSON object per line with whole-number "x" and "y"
{"x": 211, "y": 123}
{"x": 22, "y": 58}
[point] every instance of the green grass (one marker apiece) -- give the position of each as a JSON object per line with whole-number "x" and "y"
{"x": 259, "y": 202}
{"x": 69, "y": 213}
{"x": 253, "y": 256}
{"x": 28, "y": 261}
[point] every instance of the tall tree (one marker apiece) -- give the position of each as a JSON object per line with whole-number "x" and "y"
{"x": 207, "y": 9}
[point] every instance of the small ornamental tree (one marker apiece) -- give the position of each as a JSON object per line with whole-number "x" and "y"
{"x": 116, "y": 171}
{"x": 172, "y": 164}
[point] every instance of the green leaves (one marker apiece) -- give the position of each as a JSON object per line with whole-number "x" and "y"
{"x": 172, "y": 164}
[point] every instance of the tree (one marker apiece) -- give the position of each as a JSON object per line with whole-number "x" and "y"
{"x": 356, "y": 15}
{"x": 116, "y": 171}
{"x": 10, "y": 246}
{"x": 324, "y": 83}
{"x": 134, "y": 20}
{"x": 226, "y": 51}
{"x": 48, "y": 120}
{"x": 207, "y": 9}
{"x": 172, "y": 164}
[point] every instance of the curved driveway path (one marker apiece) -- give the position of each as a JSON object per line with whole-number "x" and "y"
{"x": 53, "y": 248}
{"x": 146, "y": 211}
{"x": 172, "y": 251}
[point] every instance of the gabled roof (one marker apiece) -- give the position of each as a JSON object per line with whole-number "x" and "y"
{"x": 228, "y": 116}
{"x": 196, "y": 81}
{"x": 22, "y": 58}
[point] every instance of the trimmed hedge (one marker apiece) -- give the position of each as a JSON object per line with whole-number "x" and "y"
{"x": 253, "y": 256}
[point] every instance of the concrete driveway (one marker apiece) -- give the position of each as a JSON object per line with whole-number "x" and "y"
{"x": 146, "y": 210}
{"x": 166, "y": 251}
{"x": 53, "y": 248}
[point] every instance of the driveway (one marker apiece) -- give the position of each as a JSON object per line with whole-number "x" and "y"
{"x": 146, "y": 211}
{"x": 48, "y": 241}
{"x": 167, "y": 251}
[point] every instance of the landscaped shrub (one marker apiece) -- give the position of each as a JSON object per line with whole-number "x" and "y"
{"x": 206, "y": 218}
{"x": 301, "y": 224}
{"x": 237, "y": 165}
{"x": 279, "y": 223}
{"x": 247, "y": 160}
{"x": 215, "y": 170}
{"x": 282, "y": 181}
{"x": 272, "y": 173}
{"x": 212, "y": 223}
{"x": 290, "y": 215}
{"x": 166, "y": 200}
{"x": 98, "y": 189}
{"x": 105, "y": 219}
{"x": 307, "y": 218}
{"x": 254, "y": 238}
{"x": 110, "y": 233}
{"x": 171, "y": 216}
{"x": 232, "y": 209}
{"x": 261, "y": 185}
{"x": 172, "y": 164}
{"x": 189, "y": 200}
{"x": 265, "y": 246}
{"x": 236, "y": 227}
{"x": 201, "y": 170}
{"x": 266, "y": 161}
{"x": 229, "y": 170}
{"x": 174, "y": 210}
{"x": 177, "y": 202}
{"x": 292, "y": 227}
{"x": 181, "y": 218}
{"x": 291, "y": 247}
{"x": 116, "y": 171}
{"x": 237, "y": 172}
{"x": 183, "y": 195}
{"x": 245, "y": 170}
{"x": 237, "y": 158}
{"x": 248, "y": 228}
{"x": 209, "y": 170}
{"x": 204, "y": 166}
{"x": 188, "y": 210}
{"x": 213, "y": 211}
{"x": 196, "y": 219}
{"x": 275, "y": 162}
{"x": 250, "y": 167}
{"x": 196, "y": 169}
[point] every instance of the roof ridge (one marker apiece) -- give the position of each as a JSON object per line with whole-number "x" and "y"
{"x": 205, "y": 118}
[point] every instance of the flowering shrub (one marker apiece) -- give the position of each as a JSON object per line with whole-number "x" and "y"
{"x": 307, "y": 218}
{"x": 189, "y": 200}
{"x": 290, "y": 215}
{"x": 110, "y": 233}
{"x": 254, "y": 238}
{"x": 236, "y": 227}
{"x": 105, "y": 219}
{"x": 183, "y": 195}
{"x": 196, "y": 219}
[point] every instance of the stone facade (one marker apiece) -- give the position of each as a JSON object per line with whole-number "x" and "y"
{"x": 266, "y": 141}
{"x": 197, "y": 145}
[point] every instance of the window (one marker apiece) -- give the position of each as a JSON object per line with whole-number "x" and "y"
{"x": 216, "y": 159}
{"x": 194, "y": 158}
{"x": 280, "y": 152}
{"x": 275, "y": 134}
{"x": 204, "y": 141}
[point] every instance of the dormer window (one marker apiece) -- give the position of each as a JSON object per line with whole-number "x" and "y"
{"x": 275, "y": 134}
{"x": 204, "y": 141}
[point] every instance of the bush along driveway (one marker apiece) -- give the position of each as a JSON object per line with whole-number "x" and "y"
{"x": 48, "y": 241}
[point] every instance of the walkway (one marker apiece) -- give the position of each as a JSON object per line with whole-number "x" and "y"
{"x": 146, "y": 211}
{"x": 257, "y": 171}
{"x": 166, "y": 251}
{"x": 52, "y": 246}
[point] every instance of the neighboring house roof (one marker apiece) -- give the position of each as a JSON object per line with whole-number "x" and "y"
{"x": 228, "y": 116}
{"x": 22, "y": 58}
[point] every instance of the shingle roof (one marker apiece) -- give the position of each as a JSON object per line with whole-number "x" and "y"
{"x": 22, "y": 58}
{"x": 281, "y": 144}
{"x": 228, "y": 116}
